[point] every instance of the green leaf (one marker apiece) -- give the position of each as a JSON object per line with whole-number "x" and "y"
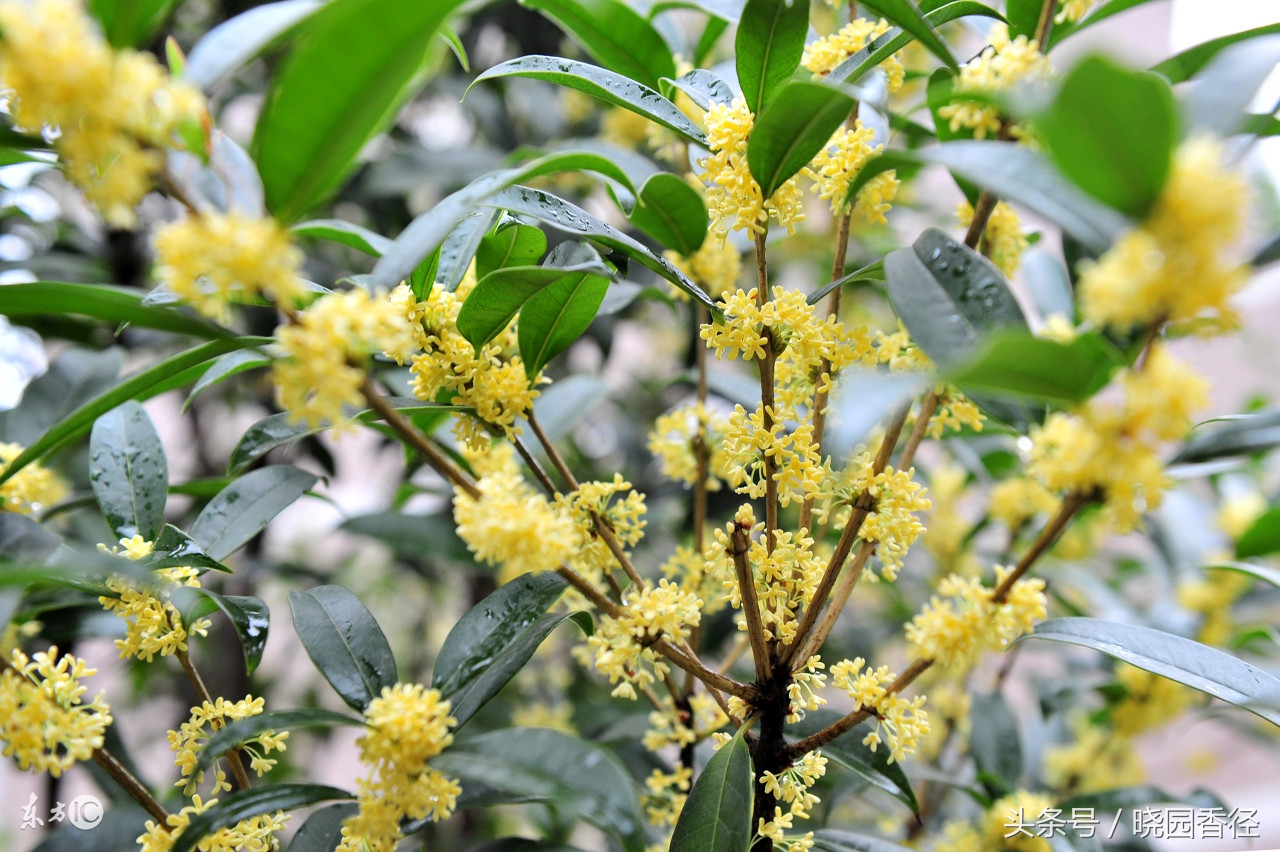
{"x": 345, "y": 233}
{"x": 703, "y": 88}
{"x": 562, "y": 405}
{"x": 870, "y": 272}
{"x": 948, "y": 296}
{"x": 603, "y": 84}
{"x": 22, "y": 539}
{"x": 1222, "y": 92}
{"x": 1050, "y": 284}
{"x": 522, "y": 844}
{"x": 251, "y": 619}
{"x": 1236, "y": 435}
{"x": 557, "y": 314}
{"x": 1262, "y": 537}
{"x": 129, "y": 472}
{"x": 322, "y": 830}
{"x": 833, "y": 840}
{"x": 717, "y": 815}
{"x": 1175, "y": 657}
{"x": 345, "y": 642}
{"x": 350, "y": 71}
{"x": 1112, "y": 131}
{"x": 244, "y": 804}
{"x": 236, "y": 733}
{"x": 1024, "y": 16}
{"x": 994, "y": 740}
{"x": 450, "y": 37}
{"x": 672, "y": 212}
{"x": 234, "y": 42}
{"x": 245, "y": 507}
{"x": 175, "y": 548}
{"x": 579, "y": 776}
{"x": 1260, "y": 572}
{"x": 231, "y": 364}
{"x": 460, "y": 247}
{"x": 98, "y": 301}
{"x": 130, "y": 23}
{"x": 510, "y": 244}
{"x": 1187, "y": 64}
{"x": 1269, "y": 252}
{"x": 560, "y": 214}
{"x": 790, "y": 131}
{"x": 171, "y": 373}
{"x": 615, "y": 35}
{"x": 501, "y": 294}
{"x": 417, "y": 538}
{"x": 849, "y": 751}
{"x": 904, "y": 14}
{"x": 1115, "y": 7}
{"x": 1021, "y": 364}
{"x": 769, "y": 45}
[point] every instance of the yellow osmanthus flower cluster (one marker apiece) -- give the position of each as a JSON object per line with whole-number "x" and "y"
{"x": 206, "y": 719}
{"x": 255, "y": 834}
{"x": 1237, "y": 512}
{"x": 491, "y": 381}
{"x": 734, "y": 198}
{"x": 791, "y": 788}
{"x": 589, "y": 555}
{"x": 1174, "y": 266}
{"x": 955, "y": 410}
{"x": 1098, "y": 759}
{"x": 670, "y": 726}
{"x": 30, "y": 489}
{"x": 1007, "y": 826}
{"x": 405, "y": 727}
{"x": 674, "y": 437}
{"x": 510, "y": 524}
{"x": 948, "y": 528}
{"x": 153, "y": 625}
{"x": 803, "y": 691}
{"x": 715, "y": 267}
{"x": 1018, "y": 499}
{"x": 823, "y": 56}
{"x": 214, "y": 259}
{"x": 953, "y": 633}
{"x": 1070, "y": 11}
{"x": 44, "y": 723}
{"x": 327, "y": 348}
{"x": 696, "y": 574}
{"x": 1003, "y": 240}
{"x": 1002, "y": 64}
{"x": 110, "y": 115}
{"x": 895, "y": 499}
{"x": 622, "y": 644}
{"x": 1112, "y": 448}
{"x": 839, "y": 162}
{"x": 900, "y": 722}
{"x": 667, "y": 792}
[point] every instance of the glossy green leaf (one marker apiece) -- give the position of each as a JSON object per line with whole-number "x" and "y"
{"x": 130, "y": 23}
{"x": 557, "y": 315}
{"x": 717, "y": 815}
{"x": 769, "y": 45}
{"x": 174, "y": 548}
{"x": 245, "y": 507}
{"x": 792, "y": 129}
{"x": 74, "y": 375}
{"x": 501, "y": 294}
{"x": 1112, "y": 131}
{"x": 950, "y": 298}
{"x": 870, "y": 272}
{"x": 834, "y": 840}
{"x": 1059, "y": 32}
{"x": 129, "y": 472}
{"x": 240, "y": 731}
{"x": 711, "y": 33}
{"x": 1021, "y": 364}
{"x": 600, "y": 83}
{"x": 251, "y": 619}
{"x": 99, "y": 301}
{"x": 1222, "y": 92}
{"x": 171, "y": 373}
{"x": 1262, "y": 537}
{"x": 345, "y": 642}
{"x": 1187, "y": 64}
{"x": 340, "y": 85}
{"x": 1175, "y": 657}
{"x": 994, "y": 741}
{"x": 344, "y": 233}
{"x": 322, "y": 830}
{"x": 850, "y": 752}
{"x": 672, "y": 212}
{"x": 234, "y": 42}
{"x": 1024, "y": 16}
{"x": 615, "y": 35}
{"x": 450, "y": 37}
{"x": 1237, "y": 435}
{"x": 119, "y": 828}
{"x": 510, "y": 244}
{"x": 255, "y": 801}
{"x": 560, "y": 214}
{"x": 22, "y": 539}
{"x": 1269, "y": 252}
{"x": 581, "y": 777}
{"x": 231, "y": 364}
{"x": 523, "y": 844}
{"x": 460, "y": 247}
{"x": 1050, "y": 284}
{"x": 703, "y": 88}
{"x": 905, "y": 14}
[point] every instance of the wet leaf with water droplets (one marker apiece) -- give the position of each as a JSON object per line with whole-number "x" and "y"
{"x": 245, "y": 507}
{"x": 128, "y": 471}
{"x": 249, "y": 615}
{"x": 345, "y": 642}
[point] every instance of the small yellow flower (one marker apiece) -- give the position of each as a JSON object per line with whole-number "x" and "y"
{"x": 192, "y": 735}
{"x": 255, "y": 834}
{"x": 1002, "y": 64}
{"x": 622, "y": 644}
{"x": 1004, "y": 240}
{"x": 900, "y": 722}
{"x": 823, "y": 56}
{"x": 839, "y": 162}
{"x": 716, "y": 267}
{"x": 31, "y": 489}
{"x": 953, "y": 633}
{"x": 44, "y": 723}
{"x": 734, "y": 198}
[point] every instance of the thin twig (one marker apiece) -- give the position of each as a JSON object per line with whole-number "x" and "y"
{"x": 132, "y": 786}
{"x": 532, "y": 464}
{"x": 767, "y": 364}
{"x": 839, "y": 597}
{"x": 741, "y": 545}
{"x": 928, "y": 405}
{"x": 1043, "y": 542}
{"x": 418, "y": 441}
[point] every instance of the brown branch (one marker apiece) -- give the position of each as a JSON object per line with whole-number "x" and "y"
{"x": 1045, "y": 24}
{"x": 839, "y": 597}
{"x": 1043, "y": 542}
{"x": 132, "y": 786}
{"x": 532, "y": 464}
{"x": 741, "y": 545}
{"x": 414, "y": 437}
{"x": 767, "y": 364}
{"x": 928, "y": 405}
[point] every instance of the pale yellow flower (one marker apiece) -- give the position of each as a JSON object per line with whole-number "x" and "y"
{"x": 44, "y": 723}
{"x": 31, "y": 489}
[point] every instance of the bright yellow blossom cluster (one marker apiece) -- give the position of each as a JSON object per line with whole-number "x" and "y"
{"x": 734, "y": 198}
{"x": 255, "y": 834}
{"x": 1018, "y": 499}
{"x": 213, "y": 259}
{"x": 153, "y": 625}
{"x": 1070, "y": 11}
{"x": 405, "y": 727}
{"x": 839, "y": 162}
{"x": 674, "y": 437}
{"x": 823, "y": 56}
{"x": 1003, "y": 240}
{"x": 1002, "y": 64}
{"x": 791, "y": 788}
{"x": 953, "y": 633}
{"x": 589, "y": 554}
{"x": 1212, "y": 597}
{"x": 326, "y": 350}
{"x": 895, "y": 499}
{"x": 667, "y": 792}
{"x": 1174, "y": 267}
{"x": 670, "y": 726}
{"x": 900, "y": 722}
{"x": 110, "y": 115}
{"x": 622, "y": 644}
{"x": 44, "y": 723}
{"x": 206, "y": 719}
{"x": 30, "y": 489}
{"x": 1150, "y": 700}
